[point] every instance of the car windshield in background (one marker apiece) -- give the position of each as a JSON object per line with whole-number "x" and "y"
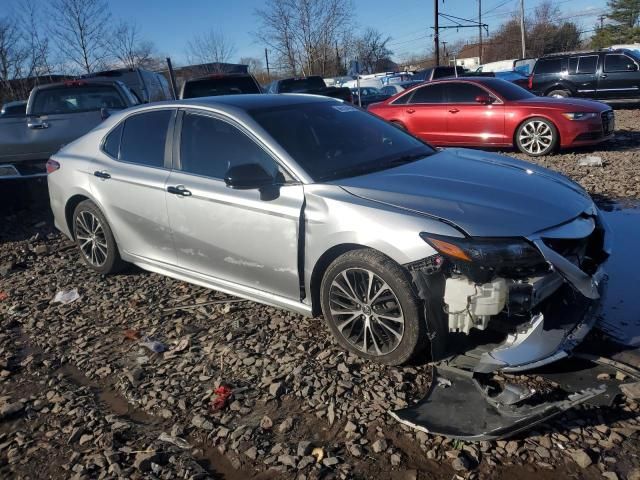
{"x": 507, "y": 90}
{"x": 212, "y": 87}
{"x": 77, "y": 99}
{"x": 331, "y": 140}
{"x": 301, "y": 85}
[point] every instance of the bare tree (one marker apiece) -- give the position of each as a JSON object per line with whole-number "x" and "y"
{"x": 80, "y": 28}
{"x": 38, "y": 51}
{"x": 304, "y": 33}
{"x": 129, "y": 48}
{"x": 371, "y": 50}
{"x": 12, "y": 54}
{"x": 210, "y": 47}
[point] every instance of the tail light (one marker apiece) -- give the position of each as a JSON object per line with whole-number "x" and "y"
{"x": 52, "y": 165}
{"x": 530, "y": 84}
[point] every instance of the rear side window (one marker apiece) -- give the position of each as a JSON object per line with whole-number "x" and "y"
{"x": 112, "y": 142}
{"x": 618, "y": 63}
{"x": 76, "y": 99}
{"x": 144, "y": 137}
{"x": 550, "y": 65}
{"x": 429, "y": 94}
{"x": 464, "y": 92}
{"x": 587, "y": 64}
{"x": 209, "y": 147}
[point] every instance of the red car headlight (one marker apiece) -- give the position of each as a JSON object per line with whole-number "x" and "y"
{"x": 580, "y": 115}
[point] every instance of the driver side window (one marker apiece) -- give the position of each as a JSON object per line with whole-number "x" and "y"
{"x": 210, "y": 146}
{"x": 429, "y": 94}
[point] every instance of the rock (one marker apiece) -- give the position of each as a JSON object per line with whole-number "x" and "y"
{"x": 41, "y": 250}
{"x": 304, "y": 449}
{"x": 11, "y": 409}
{"x": 511, "y": 447}
{"x": 590, "y": 161}
{"x": 610, "y": 475}
{"x": 379, "y": 445}
{"x": 543, "y": 452}
{"x": 461, "y": 463}
{"x": 634, "y": 474}
{"x": 631, "y": 390}
{"x": 143, "y": 460}
{"x": 85, "y": 439}
{"x": 288, "y": 460}
{"x": 395, "y": 459}
{"x": 199, "y": 421}
{"x": 330, "y": 461}
{"x": 604, "y": 376}
{"x": 355, "y": 450}
{"x": 331, "y": 414}
{"x": 350, "y": 427}
{"x": 252, "y": 453}
{"x": 286, "y": 425}
{"x": 266, "y": 423}
{"x": 276, "y": 389}
{"x": 581, "y": 457}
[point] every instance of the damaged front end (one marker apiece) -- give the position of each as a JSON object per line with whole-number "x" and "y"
{"x": 509, "y": 305}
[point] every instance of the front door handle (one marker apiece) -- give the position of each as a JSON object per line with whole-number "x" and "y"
{"x": 37, "y": 125}
{"x": 454, "y": 110}
{"x": 603, "y": 75}
{"x": 179, "y": 190}
{"x": 410, "y": 110}
{"x": 102, "y": 174}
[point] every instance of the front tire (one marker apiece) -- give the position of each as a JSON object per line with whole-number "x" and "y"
{"x": 559, "y": 93}
{"x": 95, "y": 239}
{"x": 537, "y": 137}
{"x": 373, "y": 310}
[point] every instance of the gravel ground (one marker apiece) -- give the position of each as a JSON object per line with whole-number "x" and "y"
{"x": 82, "y": 397}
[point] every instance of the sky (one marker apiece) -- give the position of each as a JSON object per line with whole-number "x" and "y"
{"x": 169, "y": 24}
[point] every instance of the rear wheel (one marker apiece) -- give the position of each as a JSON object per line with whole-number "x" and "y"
{"x": 95, "y": 239}
{"x": 559, "y": 93}
{"x": 537, "y": 137}
{"x": 373, "y": 310}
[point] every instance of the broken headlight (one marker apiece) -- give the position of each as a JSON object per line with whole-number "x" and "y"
{"x": 485, "y": 251}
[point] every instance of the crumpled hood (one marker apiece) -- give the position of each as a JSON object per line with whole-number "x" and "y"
{"x": 484, "y": 194}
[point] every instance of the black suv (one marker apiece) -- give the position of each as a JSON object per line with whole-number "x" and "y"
{"x": 603, "y": 75}
{"x": 220, "y": 84}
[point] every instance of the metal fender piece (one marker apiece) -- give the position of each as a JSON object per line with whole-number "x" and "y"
{"x": 462, "y": 411}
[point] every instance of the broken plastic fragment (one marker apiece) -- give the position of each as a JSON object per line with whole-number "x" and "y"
{"x": 318, "y": 452}
{"x": 66, "y": 296}
{"x": 153, "y": 345}
{"x": 177, "y": 441}
{"x": 443, "y": 382}
{"x": 222, "y": 395}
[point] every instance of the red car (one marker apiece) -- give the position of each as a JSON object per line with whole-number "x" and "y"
{"x": 490, "y": 112}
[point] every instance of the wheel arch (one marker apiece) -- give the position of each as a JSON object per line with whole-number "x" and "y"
{"x": 559, "y": 86}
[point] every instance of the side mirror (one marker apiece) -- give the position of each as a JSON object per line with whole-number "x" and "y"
{"x": 104, "y": 113}
{"x": 632, "y": 67}
{"x": 248, "y": 176}
{"x": 485, "y": 99}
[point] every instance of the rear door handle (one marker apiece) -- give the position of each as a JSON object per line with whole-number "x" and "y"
{"x": 603, "y": 76}
{"x": 179, "y": 190}
{"x": 454, "y": 110}
{"x": 102, "y": 174}
{"x": 37, "y": 125}
{"x": 410, "y": 110}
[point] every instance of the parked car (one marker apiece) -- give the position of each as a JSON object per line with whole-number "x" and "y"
{"x": 512, "y": 76}
{"x": 368, "y": 95}
{"x": 483, "y": 112}
{"x": 56, "y": 114}
{"x": 148, "y": 86}
{"x": 220, "y": 84}
{"x": 524, "y": 65}
{"x": 14, "y": 109}
{"x": 499, "y": 66}
{"x": 399, "y": 87}
{"x": 313, "y": 85}
{"x": 434, "y": 73}
{"x": 309, "y": 204}
{"x": 602, "y": 75}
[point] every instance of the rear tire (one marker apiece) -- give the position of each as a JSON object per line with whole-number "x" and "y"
{"x": 559, "y": 93}
{"x": 374, "y": 311}
{"x": 95, "y": 239}
{"x": 537, "y": 137}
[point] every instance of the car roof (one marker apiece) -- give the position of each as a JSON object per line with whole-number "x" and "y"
{"x": 255, "y": 100}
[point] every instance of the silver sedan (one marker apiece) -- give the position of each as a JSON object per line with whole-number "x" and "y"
{"x": 313, "y": 205}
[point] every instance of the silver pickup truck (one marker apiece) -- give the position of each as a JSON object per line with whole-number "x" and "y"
{"x": 56, "y": 114}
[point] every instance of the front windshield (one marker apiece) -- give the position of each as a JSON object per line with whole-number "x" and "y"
{"x": 507, "y": 90}
{"x": 332, "y": 140}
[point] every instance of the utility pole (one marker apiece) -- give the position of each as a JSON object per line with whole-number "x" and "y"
{"x": 266, "y": 59}
{"x": 524, "y": 55}
{"x": 480, "y": 31}
{"x": 444, "y": 51}
{"x": 436, "y": 35}
{"x": 602, "y": 17}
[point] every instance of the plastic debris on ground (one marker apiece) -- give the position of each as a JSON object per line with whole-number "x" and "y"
{"x": 590, "y": 161}
{"x": 222, "y": 396}
{"x": 177, "y": 441}
{"x": 153, "y": 345}
{"x": 66, "y": 296}
{"x": 3, "y": 296}
{"x": 318, "y": 452}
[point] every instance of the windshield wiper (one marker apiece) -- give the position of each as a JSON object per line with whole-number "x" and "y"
{"x": 406, "y": 158}
{"x": 372, "y": 167}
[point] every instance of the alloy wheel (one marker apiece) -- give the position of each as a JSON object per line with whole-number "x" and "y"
{"x": 535, "y": 137}
{"x": 366, "y": 311}
{"x": 91, "y": 238}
